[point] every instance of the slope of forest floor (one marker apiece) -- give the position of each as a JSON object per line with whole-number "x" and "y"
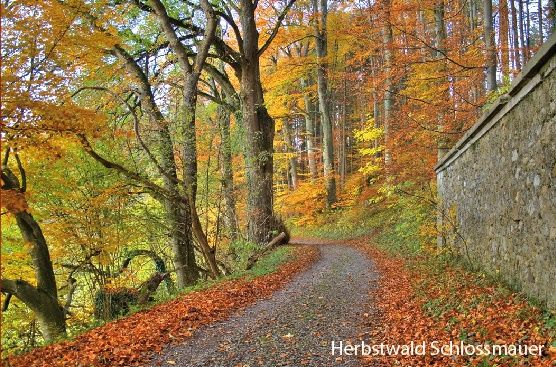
{"x": 130, "y": 340}
{"x": 424, "y": 300}
{"x": 424, "y": 294}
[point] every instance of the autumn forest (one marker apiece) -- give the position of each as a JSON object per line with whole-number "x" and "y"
{"x": 158, "y": 148}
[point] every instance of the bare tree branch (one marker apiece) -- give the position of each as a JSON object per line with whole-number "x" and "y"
{"x": 276, "y": 27}
{"x": 155, "y": 189}
{"x": 226, "y": 53}
{"x": 235, "y": 28}
{"x": 209, "y": 36}
{"x": 72, "y": 286}
{"x": 6, "y": 302}
{"x": 135, "y": 128}
{"x": 160, "y": 10}
{"x": 22, "y": 173}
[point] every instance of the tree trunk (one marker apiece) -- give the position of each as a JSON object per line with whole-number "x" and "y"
{"x": 191, "y": 73}
{"x": 178, "y": 216}
{"x": 387, "y": 40}
{"x": 189, "y": 137}
{"x": 528, "y": 31}
{"x": 32, "y": 233}
{"x": 159, "y": 263}
{"x": 440, "y": 40}
{"x": 292, "y": 161}
{"x": 190, "y": 176}
{"x": 42, "y": 299}
{"x": 524, "y": 51}
{"x": 309, "y": 130}
{"x": 472, "y": 15}
{"x": 49, "y": 312}
{"x": 150, "y": 286}
{"x": 259, "y": 127}
{"x": 376, "y": 118}
{"x": 276, "y": 241}
{"x": 177, "y": 210}
{"x": 230, "y": 218}
{"x": 342, "y": 156}
{"x": 515, "y": 36}
{"x": 179, "y": 222}
{"x": 489, "y": 46}
{"x": 322, "y": 86}
{"x": 503, "y": 36}
{"x": 343, "y": 153}
{"x": 190, "y": 170}
{"x": 376, "y": 102}
{"x": 541, "y": 31}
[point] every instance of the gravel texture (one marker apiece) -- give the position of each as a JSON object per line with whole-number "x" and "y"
{"x": 296, "y": 326}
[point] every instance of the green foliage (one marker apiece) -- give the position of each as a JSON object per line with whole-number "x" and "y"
{"x": 339, "y": 224}
{"x": 266, "y": 265}
{"x": 403, "y": 223}
{"x": 550, "y": 320}
{"x": 404, "y": 227}
{"x": 19, "y": 328}
{"x": 240, "y": 252}
{"x": 499, "y": 92}
{"x": 270, "y": 263}
{"x": 20, "y": 333}
{"x": 369, "y": 132}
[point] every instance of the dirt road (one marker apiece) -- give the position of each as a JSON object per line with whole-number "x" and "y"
{"x": 296, "y": 326}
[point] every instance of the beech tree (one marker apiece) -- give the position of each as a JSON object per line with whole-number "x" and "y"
{"x": 33, "y": 46}
{"x": 177, "y": 195}
{"x": 489, "y": 45}
{"x": 42, "y": 298}
{"x": 241, "y": 17}
{"x": 259, "y": 126}
{"x": 320, "y": 9}
{"x": 183, "y": 131}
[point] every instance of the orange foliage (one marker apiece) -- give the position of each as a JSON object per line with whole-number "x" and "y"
{"x": 111, "y": 345}
{"x": 304, "y": 203}
{"x": 14, "y": 201}
{"x": 477, "y": 314}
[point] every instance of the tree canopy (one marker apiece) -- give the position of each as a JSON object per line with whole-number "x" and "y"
{"x": 149, "y": 142}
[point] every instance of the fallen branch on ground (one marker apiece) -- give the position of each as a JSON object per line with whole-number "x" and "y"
{"x": 276, "y": 241}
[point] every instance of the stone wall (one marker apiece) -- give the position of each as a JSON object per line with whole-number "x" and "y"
{"x": 497, "y": 186}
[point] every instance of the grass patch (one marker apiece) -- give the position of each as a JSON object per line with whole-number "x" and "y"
{"x": 266, "y": 265}
{"x": 339, "y": 224}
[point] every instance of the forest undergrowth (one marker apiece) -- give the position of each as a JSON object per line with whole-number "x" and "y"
{"x": 173, "y": 320}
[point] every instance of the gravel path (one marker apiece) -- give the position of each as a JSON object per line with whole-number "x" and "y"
{"x": 296, "y": 326}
